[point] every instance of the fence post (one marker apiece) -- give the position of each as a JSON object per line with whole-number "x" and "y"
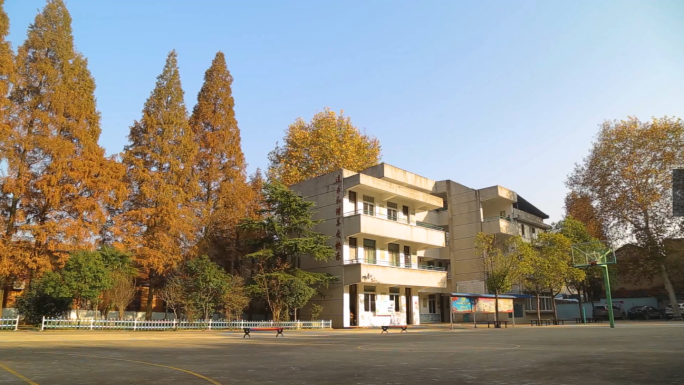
{"x": 16, "y": 325}
{"x": 135, "y": 324}
{"x": 42, "y": 325}
{"x": 210, "y": 323}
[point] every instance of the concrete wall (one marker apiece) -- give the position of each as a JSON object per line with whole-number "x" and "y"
{"x": 397, "y": 175}
{"x": 373, "y": 274}
{"x": 464, "y": 223}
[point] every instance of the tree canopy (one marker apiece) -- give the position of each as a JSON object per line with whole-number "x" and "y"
{"x": 327, "y": 143}
{"x": 627, "y": 176}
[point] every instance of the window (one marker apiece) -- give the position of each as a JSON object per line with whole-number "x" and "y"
{"x": 502, "y": 214}
{"x": 407, "y": 256}
{"x": 369, "y": 298}
{"x": 522, "y": 228}
{"x": 432, "y": 304}
{"x": 396, "y": 298}
{"x": 533, "y": 230}
{"x": 368, "y": 205}
{"x": 394, "y": 254}
{"x": 545, "y": 303}
{"x": 353, "y": 249}
{"x": 391, "y": 211}
{"x": 369, "y": 251}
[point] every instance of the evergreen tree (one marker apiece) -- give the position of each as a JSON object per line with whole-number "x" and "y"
{"x": 223, "y": 194}
{"x": 281, "y": 235}
{"x": 58, "y": 178}
{"x": 159, "y": 219}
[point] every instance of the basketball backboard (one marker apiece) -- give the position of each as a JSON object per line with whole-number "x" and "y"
{"x": 592, "y": 254}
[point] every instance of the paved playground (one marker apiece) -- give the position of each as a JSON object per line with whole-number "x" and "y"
{"x": 633, "y": 353}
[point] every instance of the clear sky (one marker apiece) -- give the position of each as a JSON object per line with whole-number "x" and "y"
{"x": 482, "y": 93}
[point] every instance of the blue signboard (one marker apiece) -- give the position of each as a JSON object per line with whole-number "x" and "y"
{"x": 462, "y": 304}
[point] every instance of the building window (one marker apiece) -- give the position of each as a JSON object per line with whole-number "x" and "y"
{"x": 522, "y": 228}
{"x": 369, "y": 251}
{"x": 353, "y": 249}
{"x": 533, "y": 230}
{"x": 396, "y": 298}
{"x": 392, "y": 211}
{"x": 407, "y": 256}
{"x": 545, "y": 303}
{"x": 502, "y": 214}
{"x": 369, "y": 298}
{"x": 432, "y": 304}
{"x": 368, "y": 205}
{"x": 393, "y": 249}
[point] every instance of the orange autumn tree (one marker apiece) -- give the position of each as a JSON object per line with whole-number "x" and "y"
{"x": 7, "y": 265}
{"x": 579, "y": 207}
{"x": 159, "y": 223}
{"x": 325, "y": 144}
{"x": 57, "y": 176}
{"x": 223, "y": 194}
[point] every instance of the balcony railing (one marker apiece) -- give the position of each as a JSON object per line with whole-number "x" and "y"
{"x": 394, "y": 264}
{"x": 399, "y": 217}
{"x": 429, "y": 226}
{"x": 497, "y": 218}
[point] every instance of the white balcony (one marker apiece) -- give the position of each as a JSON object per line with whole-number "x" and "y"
{"x": 380, "y": 272}
{"x": 498, "y": 225}
{"x": 390, "y": 229}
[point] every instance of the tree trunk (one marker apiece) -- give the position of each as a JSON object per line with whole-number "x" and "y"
{"x": 150, "y": 299}
{"x": 676, "y": 314}
{"x": 553, "y": 304}
{"x": 121, "y": 313}
{"x": 536, "y": 296}
{"x": 579, "y": 296}
{"x": 496, "y": 309}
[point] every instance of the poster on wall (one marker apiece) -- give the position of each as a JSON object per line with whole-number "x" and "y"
{"x": 461, "y": 305}
{"x": 486, "y": 305}
{"x": 384, "y": 307}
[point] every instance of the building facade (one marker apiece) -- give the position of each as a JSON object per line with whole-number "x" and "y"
{"x": 404, "y": 242}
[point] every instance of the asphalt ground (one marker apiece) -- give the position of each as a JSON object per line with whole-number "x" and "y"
{"x": 632, "y": 353}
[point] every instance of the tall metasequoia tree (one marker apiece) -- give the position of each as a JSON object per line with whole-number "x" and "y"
{"x": 223, "y": 195}
{"x": 58, "y": 178}
{"x": 7, "y": 265}
{"x": 628, "y": 177}
{"x": 327, "y": 143}
{"x": 159, "y": 222}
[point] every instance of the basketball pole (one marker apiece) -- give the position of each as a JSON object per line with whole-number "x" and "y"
{"x": 609, "y": 298}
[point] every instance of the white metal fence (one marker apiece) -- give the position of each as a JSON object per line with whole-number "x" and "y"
{"x": 9, "y": 323}
{"x": 101, "y": 324}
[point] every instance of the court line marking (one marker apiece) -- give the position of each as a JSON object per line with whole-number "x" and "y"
{"x": 211, "y": 381}
{"x": 18, "y": 375}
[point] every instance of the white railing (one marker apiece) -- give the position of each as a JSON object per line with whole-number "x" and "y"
{"x": 101, "y": 324}
{"x": 9, "y": 323}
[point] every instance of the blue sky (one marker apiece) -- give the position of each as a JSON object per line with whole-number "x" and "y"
{"x": 482, "y": 93}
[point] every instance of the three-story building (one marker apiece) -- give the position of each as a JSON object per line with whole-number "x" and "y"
{"x": 404, "y": 242}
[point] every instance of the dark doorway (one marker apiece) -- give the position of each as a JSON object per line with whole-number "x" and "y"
{"x": 409, "y": 307}
{"x": 352, "y": 200}
{"x": 405, "y": 211}
{"x": 353, "y": 300}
